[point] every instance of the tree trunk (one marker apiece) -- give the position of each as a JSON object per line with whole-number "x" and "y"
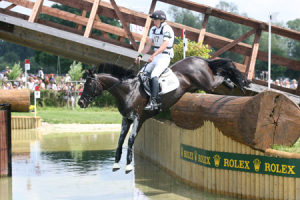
{"x": 259, "y": 122}
{"x": 19, "y": 99}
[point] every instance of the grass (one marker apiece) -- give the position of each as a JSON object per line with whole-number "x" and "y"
{"x": 295, "y": 148}
{"x": 79, "y": 116}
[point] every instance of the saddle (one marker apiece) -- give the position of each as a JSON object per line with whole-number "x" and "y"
{"x": 168, "y": 82}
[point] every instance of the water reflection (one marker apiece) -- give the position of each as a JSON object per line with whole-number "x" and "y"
{"x": 78, "y": 166}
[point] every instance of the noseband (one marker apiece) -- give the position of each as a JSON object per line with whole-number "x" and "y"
{"x": 88, "y": 98}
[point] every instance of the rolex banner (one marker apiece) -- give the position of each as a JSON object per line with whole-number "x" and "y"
{"x": 241, "y": 162}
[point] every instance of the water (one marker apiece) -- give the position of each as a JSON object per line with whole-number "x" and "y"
{"x": 71, "y": 166}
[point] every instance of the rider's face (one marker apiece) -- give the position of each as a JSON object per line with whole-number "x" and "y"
{"x": 157, "y": 22}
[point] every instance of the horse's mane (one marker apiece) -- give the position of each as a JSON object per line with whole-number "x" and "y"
{"x": 115, "y": 71}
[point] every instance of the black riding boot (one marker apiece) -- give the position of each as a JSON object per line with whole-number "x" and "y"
{"x": 154, "y": 93}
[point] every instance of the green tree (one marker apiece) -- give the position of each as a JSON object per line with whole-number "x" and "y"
{"x": 294, "y": 49}
{"x": 186, "y": 17}
{"x": 16, "y": 71}
{"x": 11, "y": 57}
{"x": 278, "y": 48}
{"x": 76, "y": 71}
{"x": 194, "y": 49}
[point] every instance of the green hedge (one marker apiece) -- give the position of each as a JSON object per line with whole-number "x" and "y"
{"x": 56, "y": 99}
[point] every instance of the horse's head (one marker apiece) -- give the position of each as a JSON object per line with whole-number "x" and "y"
{"x": 92, "y": 89}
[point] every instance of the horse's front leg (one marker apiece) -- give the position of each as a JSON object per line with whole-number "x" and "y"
{"x": 135, "y": 129}
{"x": 124, "y": 130}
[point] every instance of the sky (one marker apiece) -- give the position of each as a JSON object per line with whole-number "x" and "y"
{"x": 256, "y": 9}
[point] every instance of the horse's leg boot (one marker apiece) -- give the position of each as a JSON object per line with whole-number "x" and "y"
{"x": 154, "y": 93}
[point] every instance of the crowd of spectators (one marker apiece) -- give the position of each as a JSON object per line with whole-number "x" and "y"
{"x": 50, "y": 82}
{"x": 286, "y": 83}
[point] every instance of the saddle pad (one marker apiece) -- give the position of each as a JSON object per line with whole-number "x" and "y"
{"x": 168, "y": 83}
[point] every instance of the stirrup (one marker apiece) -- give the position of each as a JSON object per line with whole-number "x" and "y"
{"x": 151, "y": 106}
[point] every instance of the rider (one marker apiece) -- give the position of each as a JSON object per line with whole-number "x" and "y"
{"x": 41, "y": 74}
{"x": 163, "y": 37}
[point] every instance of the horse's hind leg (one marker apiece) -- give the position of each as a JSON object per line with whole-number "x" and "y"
{"x": 135, "y": 129}
{"x": 125, "y": 127}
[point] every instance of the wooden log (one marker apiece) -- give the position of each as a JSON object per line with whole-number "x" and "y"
{"x": 19, "y": 99}
{"x": 259, "y": 122}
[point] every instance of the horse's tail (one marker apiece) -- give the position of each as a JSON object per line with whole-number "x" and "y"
{"x": 226, "y": 68}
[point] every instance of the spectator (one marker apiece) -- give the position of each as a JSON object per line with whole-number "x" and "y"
{"x": 41, "y": 84}
{"x": 15, "y": 87}
{"x": 7, "y": 71}
{"x": 286, "y": 83}
{"x": 277, "y": 82}
{"x": 1, "y": 76}
{"x": 31, "y": 84}
{"x": 67, "y": 78}
{"x": 294, "y": 84}
{"x": 23, "y": 78}
{"x": 41, "y": 74}
{"x": 80, "y": 89}
{"x": 20, "y": 84}
{"x": 52, "y": 78}
{"x": 52, "y": 86}
{"x": 281, "y": 82}
{"x": 6, "y": 86}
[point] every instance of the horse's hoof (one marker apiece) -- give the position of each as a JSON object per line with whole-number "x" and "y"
{"x": 128, "y": 168}
{"x": 116, "y": 167}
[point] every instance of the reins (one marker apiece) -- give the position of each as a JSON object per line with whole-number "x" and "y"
{"x": 96, "y": 80}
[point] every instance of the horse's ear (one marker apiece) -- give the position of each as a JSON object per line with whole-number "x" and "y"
{"x": 91, "y": 73}
{"x": 87, "y": 72}
{"x": 93, "y": 69}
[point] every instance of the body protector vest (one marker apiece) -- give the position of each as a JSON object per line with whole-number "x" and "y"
{"x": 165, "y": 32}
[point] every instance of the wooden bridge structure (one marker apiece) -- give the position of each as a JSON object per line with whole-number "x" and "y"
{"x": 82, "y": 45}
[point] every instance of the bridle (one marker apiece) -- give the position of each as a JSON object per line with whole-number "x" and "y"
{"x": 88, "y": 98}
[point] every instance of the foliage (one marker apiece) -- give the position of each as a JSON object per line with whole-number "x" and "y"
{"x": 56, "y": 99}
{"x": 76, "y": 71}
{"x": 165, "y": 115}
{"x": 194, "y": 49}
{"x": 15, "y": 72}
{"x": 185, "y": 16}
{"x": 105, "y": 100}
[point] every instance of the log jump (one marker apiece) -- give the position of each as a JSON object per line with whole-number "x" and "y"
{"x": 19, "y": 99}
{"x": 259, "y": 121}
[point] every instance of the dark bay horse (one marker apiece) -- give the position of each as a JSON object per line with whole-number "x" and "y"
{"x": 194, "y": 73}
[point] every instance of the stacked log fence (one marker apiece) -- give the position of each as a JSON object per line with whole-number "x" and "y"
{"x": 206, "y": 158}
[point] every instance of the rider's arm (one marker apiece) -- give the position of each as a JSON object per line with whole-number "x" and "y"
{"x": 147, "y": 47}
{"x": 145, "y": 50}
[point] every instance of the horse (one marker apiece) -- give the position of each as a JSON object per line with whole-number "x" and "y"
{"x": 194, "y": 73}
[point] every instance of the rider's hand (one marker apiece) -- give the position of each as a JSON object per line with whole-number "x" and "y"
{"x": 137, "y": 60}
{"x": 151, "y": 58}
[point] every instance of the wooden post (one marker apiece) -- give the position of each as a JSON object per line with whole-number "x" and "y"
{"x": 233, "y": 43}
{"x": 251, "y": 67}
{"x": 34, "y": 16}
{"x": 79, "y": 26}
{"x": 91, "y": 21}
{"x": 147, "y": 26}
{"x": 204, "y": 25}
{"x": 121, "y": 18}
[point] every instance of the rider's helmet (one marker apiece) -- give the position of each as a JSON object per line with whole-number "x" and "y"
{"x": 158, "y": 14}
{"x": 41, "y": 68}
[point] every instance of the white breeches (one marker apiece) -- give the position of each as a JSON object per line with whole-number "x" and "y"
{"x": 158, "y": 65}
